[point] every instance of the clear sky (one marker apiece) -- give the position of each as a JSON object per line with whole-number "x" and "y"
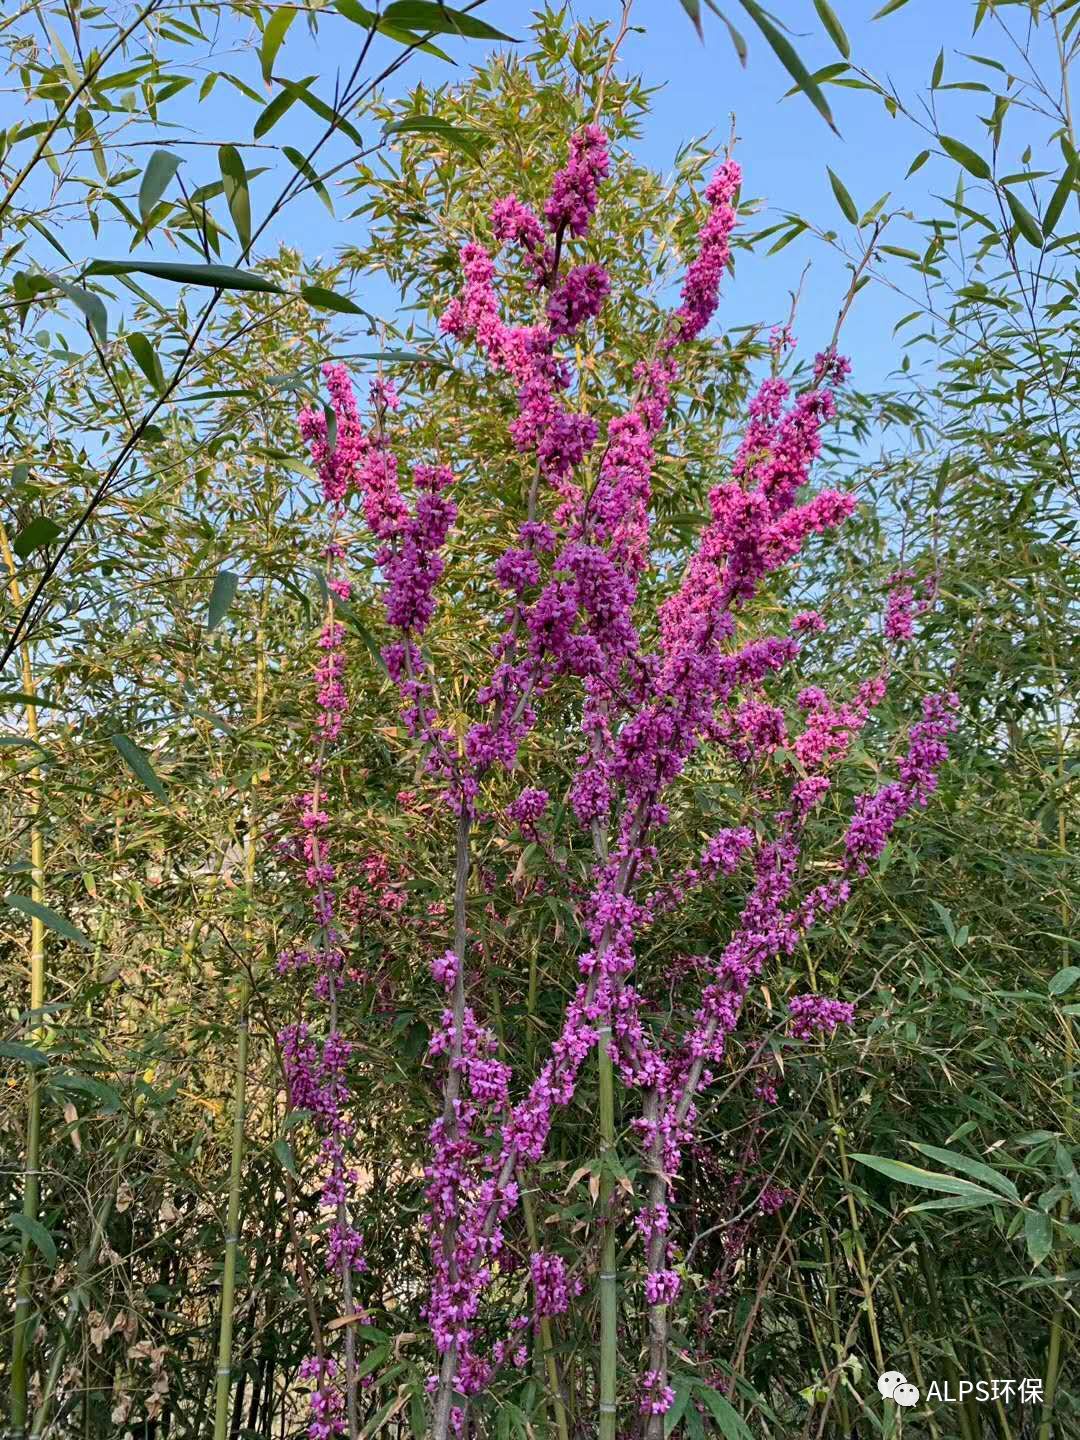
{"x": 784, "y": 145}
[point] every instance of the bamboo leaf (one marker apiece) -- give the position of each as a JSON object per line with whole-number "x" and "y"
{"x": 963, "y": 154}
{"x": 455, "y": 135}
{"x": 28, "y": 906}
{"x": 309, "y": 173}
{"x": 284, "y": 1154}
{"x": 835, "y": 31}
{"x": 139, "y": 762}
{"x": 324, "y": 299}
{"x": 273, "y": 35}
{"x": 361, "y": 15}
{"x": 1062, "y": 190}
{"x": 843, "y": 198}
{"x": 1039, "y": 1235}
{"x": 221, "y": 597}
{"x": 216, "y": 277}
{"x": 156, "y": 177}
{"x": 235, "y": 181}
{"x": 145, "y": 356}
{"x": 40, "y": 531}
{"x": 972, "y": 1167}
{"x": 693, "y": 9}
{"x": 678, "y": 1406}
{"x": 434, "y": 18}
{"x": 22, "y": 697}
{"x": 788, "y": 57}
{"x": 925, "y": 1179}
{"x": 12, "y": 1050}
{"x": 1025, "y": 221}
{"x": 36, "y": 1233}
{"x": 92, "y": 306}
{"x": 283, "y": 101}
{"x": 731, "y": 1423}
{"x": 1064, "y": 980}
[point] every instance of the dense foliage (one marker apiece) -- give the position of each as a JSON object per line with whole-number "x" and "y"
{"x": 296, "y": 907}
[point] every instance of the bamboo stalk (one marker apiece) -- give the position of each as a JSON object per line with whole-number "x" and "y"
{"x": 236, "y": 1161}
{"x": 24, "y": 1284}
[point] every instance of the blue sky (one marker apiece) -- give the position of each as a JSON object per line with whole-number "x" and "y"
{"x": 784, "y": 145}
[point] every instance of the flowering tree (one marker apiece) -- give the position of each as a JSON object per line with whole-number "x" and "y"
{"x": 656, "y": 690}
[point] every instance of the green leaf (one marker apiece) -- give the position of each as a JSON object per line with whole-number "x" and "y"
{"x": 1064, "y": 980}
{"x": 273, "y": 35}
{"x": 678, "y": 1405}
{"x": 329, "y": 300}
{"x": 955, "y": 1202}
{"x": 160, "y": 170}
{"x": 284, "y": 100}
{"x": 325, "y": 112}
{"x": 1039, "y": 1235}
{"x": 283, "y": 1151}
{"x": 145, "y": 356}
{"x": 917, "y": 164}
{"x": 221, "y": 597}
{"x": 456, "y": 135}
{"x": 693, "y": 9}
{"x": 309, "y": 173}
{"x": 360, "y": 15}
{"x": 216, "y": 277}
{"x": 27, "y": 906}
{"x": 1025, "y": 221}
{"x": 888, "y": 9}
{"x": 938, "y": 71}
{"x": 234, "y": 179}
{"x": 92, "y": 306}
{"x": 835, "y": 30}
{"x": 787, "y": 56}
{"x": 12, "y": 1050}
{"x": 40, "y": 531}
{"x": 963, "y": 154}
{"x": 925, "y": 1179}
{"x": 137, "y": 759}
{"x": 21, "y": 697}
{"x": 843, "y": 198}
{"x": 36, "y": 1233}
{"x": 968, "y": 1166}
{"x": 432, "y": 17}
{"x": 731, "y": 1423}
{"x": 1062, "y": 190}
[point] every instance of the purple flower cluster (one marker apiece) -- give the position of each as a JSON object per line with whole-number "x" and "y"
{"x": 550, "y": 1282}
{"x": 571, "y": 587}
{"x": 817, "y": 1015}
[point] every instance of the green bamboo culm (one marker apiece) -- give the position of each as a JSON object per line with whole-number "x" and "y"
{"x": 608, "y": 1294}
{"x": 223, "y": 1390}
{"x": 24, "y": 1284}
{"x": 232, "y": 1235}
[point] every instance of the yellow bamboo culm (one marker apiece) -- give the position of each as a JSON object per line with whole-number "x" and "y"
{"x": 24, "y": 1285}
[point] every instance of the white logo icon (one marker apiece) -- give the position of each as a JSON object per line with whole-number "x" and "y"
{"x": 893, "y": 1385}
